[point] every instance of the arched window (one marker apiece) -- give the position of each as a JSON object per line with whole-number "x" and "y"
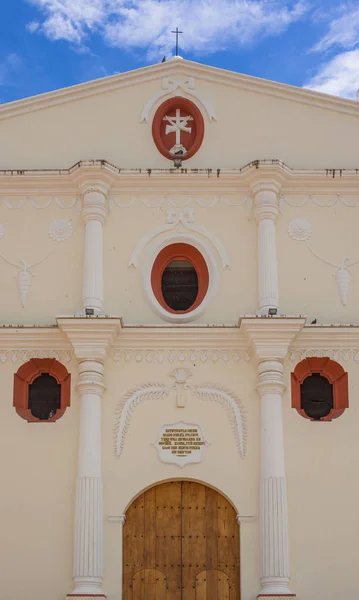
{"x": 319, "y": 389}
{"x": 42, "y": 390}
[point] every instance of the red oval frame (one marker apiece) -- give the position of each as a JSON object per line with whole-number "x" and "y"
{"x": 180, "y": 251}
{"x": 193, "y": 110}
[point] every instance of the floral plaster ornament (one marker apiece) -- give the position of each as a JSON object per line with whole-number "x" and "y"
{"x": 60, "y": 230}
{"x": 300, "y": 230}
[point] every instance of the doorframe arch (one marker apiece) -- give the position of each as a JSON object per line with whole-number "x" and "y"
{"x": 169, "y": 479}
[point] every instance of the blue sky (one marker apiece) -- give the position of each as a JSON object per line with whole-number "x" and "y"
{"x": 50, "y": 44}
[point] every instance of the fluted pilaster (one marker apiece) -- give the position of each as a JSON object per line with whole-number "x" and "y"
{"x": 270, "y": 339}
{"x": 88, "y": 567}
{"x": 91, "y": 339}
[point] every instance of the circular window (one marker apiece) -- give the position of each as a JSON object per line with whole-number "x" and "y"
{"x": 180, "y": 278}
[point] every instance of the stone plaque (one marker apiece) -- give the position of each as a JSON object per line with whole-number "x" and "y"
{"x": 181, "y": 444}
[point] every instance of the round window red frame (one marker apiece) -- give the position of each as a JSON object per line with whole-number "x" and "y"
{"x": 186, "y": 105}
{"x": 180, "y": 251}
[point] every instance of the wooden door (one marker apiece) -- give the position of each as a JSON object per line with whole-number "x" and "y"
{"x": 181, "y": 542}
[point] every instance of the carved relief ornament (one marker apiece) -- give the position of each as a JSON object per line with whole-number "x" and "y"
{"x": 208, "y": 392}
{"x": 182, "y": 219}
{"x": 171, "y": 85}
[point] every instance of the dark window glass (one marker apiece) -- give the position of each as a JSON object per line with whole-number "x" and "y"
{"x": 316, "y": 394}
{"x": 44, "y": 397}
{"x": 179, "y": 285}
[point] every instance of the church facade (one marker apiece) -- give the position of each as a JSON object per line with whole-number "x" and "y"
{"x": 179, "y": 340}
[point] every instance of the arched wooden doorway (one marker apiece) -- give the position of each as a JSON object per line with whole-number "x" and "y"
{"x": 181, "y": 542}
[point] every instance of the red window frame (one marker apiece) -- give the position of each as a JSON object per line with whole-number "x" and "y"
{"x": 333, "y": 372}
{"x": 27, "y": 375}
{"x": 180, "y": 251}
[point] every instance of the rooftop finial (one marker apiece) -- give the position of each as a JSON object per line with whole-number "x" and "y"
{"x": 177, "y": 32}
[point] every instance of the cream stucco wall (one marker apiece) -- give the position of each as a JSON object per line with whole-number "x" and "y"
{"x": 56, "y": 284}
{"x": 250, "y": 125}
{"x": 38, "y": 473}
{"x": 39, "y": 470}
{"x": 321, "y": 463}
{"x": 307, "y": 285}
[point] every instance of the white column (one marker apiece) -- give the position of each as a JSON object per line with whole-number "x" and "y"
{"x": 270, "y": 339}
{"x": 273, "y": 491}
{"x": 91, "y": 340}
{"x": 94, "y": 212}
{"x": 88, "y": 547}
{"x": 266, "y": 212}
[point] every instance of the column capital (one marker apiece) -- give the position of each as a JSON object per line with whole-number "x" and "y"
{"x": 266, "y": 203}
{"x": 265, "y": 184}
{"x": 91, "y": 337}
{"x": 270, "y": 377}
{"x": 94, "y": 201}
{"x": 270, "y": 337}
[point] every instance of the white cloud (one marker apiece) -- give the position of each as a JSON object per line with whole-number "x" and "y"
{"x": 339, "y": 77}
{"x": 343, "y": 30}
{"x": 209, "y": 25}
{"x": 7, "y": 66}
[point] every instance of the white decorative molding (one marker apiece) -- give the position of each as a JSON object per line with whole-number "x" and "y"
{"x": 25, "y": 354}
{"x": 159, "y": 355}
{"x": 180, "y": 200}
{"x": 24, "y": 276}
{"x": 171, "y": 85}
{"x": 301, "y": 230}
{"x": 236, "y": 411}
{"x": 60, "y": 230}
{"x": 117, "y": 519}
{"x": 245, "y": 519}
{"x": 181, "y": 444}
{"x": 41, "y": 202}
{"x": 207, "y": 392}
{"x": 213, "y": 268}
{"x": 339, "y": 355}
{"x": 181, "y": 219}
{"x": 326, "y": 201}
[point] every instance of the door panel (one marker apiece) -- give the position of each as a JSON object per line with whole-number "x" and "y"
{"x": 212, "y": 585}
{"x": 149, "y": 584}
{"x": 181, "y": 537}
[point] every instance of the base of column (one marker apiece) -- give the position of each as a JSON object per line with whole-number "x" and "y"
{"x": 276, "y": 596}
{"x": 85, "y": 596}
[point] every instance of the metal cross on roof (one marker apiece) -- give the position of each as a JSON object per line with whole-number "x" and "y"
{"x": 177, "y": 32}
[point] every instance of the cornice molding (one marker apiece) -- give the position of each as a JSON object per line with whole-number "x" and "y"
{"x": 270, "y": 337}
{"x": 183, "y": 69}
{"x": 74, "y": 180}
{"x": 217, "y": 344}
{"x": 91, "y": 337}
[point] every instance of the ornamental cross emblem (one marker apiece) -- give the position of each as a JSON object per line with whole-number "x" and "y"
{"x": 176, "y": 125}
